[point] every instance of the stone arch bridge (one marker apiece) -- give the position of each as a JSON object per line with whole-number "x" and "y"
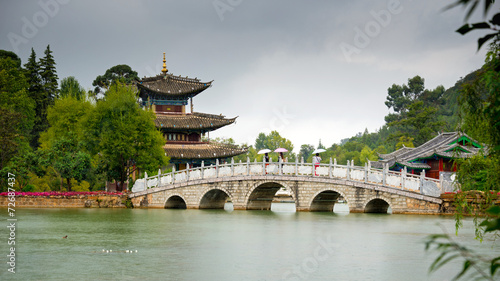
{"x": 253, "y": 185}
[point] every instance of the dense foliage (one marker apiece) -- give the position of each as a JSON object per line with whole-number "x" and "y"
{"x": 478, "y": 177}
{"x": 122, "y": 135}
{"x": 64, "y": 139}
{"x": 118, "y": 73}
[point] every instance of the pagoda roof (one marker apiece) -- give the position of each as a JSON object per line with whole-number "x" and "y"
{"x": 171, "y": 86}
{"x": 444, "y": 145}
{"x": 192, "y": 121}
{"x": 202, "y": 151}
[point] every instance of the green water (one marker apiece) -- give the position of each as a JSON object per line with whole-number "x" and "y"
{"x": 222, "y": 245}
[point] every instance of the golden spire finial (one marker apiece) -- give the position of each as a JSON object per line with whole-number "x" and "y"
{"x": 164, "y": 70}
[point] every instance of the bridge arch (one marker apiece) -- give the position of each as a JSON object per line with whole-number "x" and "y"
{"x": 175, "y": 201}
{"x": 260, "y": 196}
{"x": 213, "y": 198}
{"x": 377, "y": 204}
{"x": 324, "y": 200}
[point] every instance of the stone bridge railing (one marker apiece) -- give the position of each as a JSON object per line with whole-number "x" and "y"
{"x": 384, "y": 177}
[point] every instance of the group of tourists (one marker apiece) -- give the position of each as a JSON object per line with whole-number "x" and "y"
{"x": 316, "y": 160}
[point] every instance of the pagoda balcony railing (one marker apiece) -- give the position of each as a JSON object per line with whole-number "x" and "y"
{"x": 382, "y": 177}
{"x": 186, "y": 142}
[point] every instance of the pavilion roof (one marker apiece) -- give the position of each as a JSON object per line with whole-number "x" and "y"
{"x": 444, "y": 145}
{"x": 202, "y": 151}
{"x": 192, "y": 121}
{"x": 169, "y": 85}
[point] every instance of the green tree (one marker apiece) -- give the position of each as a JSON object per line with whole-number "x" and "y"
{"x": 305, "y": 151}
{"x": 480, "y": 103}
{"x": 17, "y": 111}
{"x": 71, "y": 87}
{"x": 42, "y": 81}
{"x": 404, "y": 141}
{"x": 420, "y": 122}
{"x": 400, "y": 97}
{"x": 118, "y": 73}
{"x": 320, "y": 145}
{"x": 69, "y": 160}
{"x": 366, "y": 154}
{"x": 64, "y": 118}
{"x": 32, "y": 72}
{"x": 480, "y": 175}
{"x": 273, "y": 141}
{"x": 48, "y": 75}
{"x": 122, "y": 135}
{"x": 12, "y": 56}
{"x": 414, "y": 110}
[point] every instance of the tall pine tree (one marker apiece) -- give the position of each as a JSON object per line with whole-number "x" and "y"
{"x": 42, "y": 79}
{"x": 32, "y": 73}
{"x": 49, "y": 75}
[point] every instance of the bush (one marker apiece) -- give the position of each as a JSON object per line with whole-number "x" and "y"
{"x": 29, "y": 188}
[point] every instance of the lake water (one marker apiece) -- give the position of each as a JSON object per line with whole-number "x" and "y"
{"x": 225, "y": 245}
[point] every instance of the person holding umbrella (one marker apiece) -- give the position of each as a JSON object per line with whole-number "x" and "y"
{"x": 281, "y": 157}
{"x": 316, "y": 160}
{"x": 265, "y": 151}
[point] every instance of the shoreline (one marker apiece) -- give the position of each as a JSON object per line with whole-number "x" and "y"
{"x": 123, "y": 201}
{"x": 60, "y": 201}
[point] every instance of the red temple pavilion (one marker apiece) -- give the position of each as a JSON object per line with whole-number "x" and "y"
{"x": 168, "y": 95}
{"x": 434, "y": 156}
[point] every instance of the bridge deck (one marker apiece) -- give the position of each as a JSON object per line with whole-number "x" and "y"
{"x": 402, "y": 183}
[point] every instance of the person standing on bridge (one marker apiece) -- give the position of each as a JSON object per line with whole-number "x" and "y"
{"x": 316, "y": 160}
{"x": 266, "y": 159}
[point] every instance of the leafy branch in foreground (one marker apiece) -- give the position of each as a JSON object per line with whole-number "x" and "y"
{"x": 492, "y": 24}
{"x": 483, "y": 268}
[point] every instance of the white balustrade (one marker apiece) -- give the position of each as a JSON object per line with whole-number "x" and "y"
{"x": 393, "y": 180}
{"x": 340, "y": 172}
{"x": 195, "y": 174}
{"x": 209, "y": 172}
{"x": 322, "y": 171}
{"x": 304, "y": 169}
{"x": 180, "y": 176}
{"x": 400, "y": 180}
{"x": 358, "y": 175}
{"x": 289, "y": 169}
{"x": 224, "y": 171}
{"x": 240, "y": 170}
{"x": 412, "y": 184}
{"x": 375, "y": 176}
{"x": 272, "y": 169}
{"x": 256, "y": 169}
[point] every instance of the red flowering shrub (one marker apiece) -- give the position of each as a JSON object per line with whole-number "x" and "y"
{"x": 65, "y": 194}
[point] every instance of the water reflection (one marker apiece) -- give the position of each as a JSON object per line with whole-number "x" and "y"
{"x": 228, "y": 245}
{"x": 338, "y": 208}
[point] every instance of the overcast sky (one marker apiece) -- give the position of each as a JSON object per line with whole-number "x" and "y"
{"x": 309, "y": 69}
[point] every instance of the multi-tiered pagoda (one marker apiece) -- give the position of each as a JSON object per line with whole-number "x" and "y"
{"x": 168, "y": 95}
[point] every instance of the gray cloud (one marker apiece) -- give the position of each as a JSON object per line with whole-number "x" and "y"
{"x": 269, "y": 59}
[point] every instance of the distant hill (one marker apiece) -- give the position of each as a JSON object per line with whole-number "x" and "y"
{"x": 448, "y": 112}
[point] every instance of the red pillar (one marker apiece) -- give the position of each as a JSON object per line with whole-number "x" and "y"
{"x": 441, "y": 164}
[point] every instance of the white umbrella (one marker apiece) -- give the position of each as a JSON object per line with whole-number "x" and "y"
{"x": 319, "y": 150}
{"x": 265, "y": 150}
